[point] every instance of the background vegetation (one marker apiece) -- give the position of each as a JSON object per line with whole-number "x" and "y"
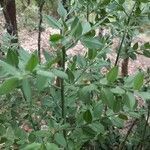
{"x": 50, "y": 100}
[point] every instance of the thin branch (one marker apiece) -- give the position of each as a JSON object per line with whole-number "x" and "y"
{"x": 40, "y": 29}
{"x": 62, "y": 90}
{"x": 119, "y": 50}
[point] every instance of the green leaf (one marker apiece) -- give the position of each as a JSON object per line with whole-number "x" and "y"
{"x": 121, "y": 1}
{"x": 81, "y": 61}
{"x": 2, "y": 130}
{"x": 98, "y": 109}
{"x": 119, "y": 123}
{"x": 85, "y": 92}
{"x": 76, "y": 28}
{"x": 107, "y": 97}
{"x": 33, "y": 146}
{"x": 60, "y": 74}
{"x": 146, "y": 53}
{"x": 26, "y": 87}
{"x": 20, "y": 133}
{"x": 135, "y": 46}
{"x": 10, "y": 134}
{"x": 117, "y": 106}
{"x": 144, "y": 1}
{"x": 12, "y": 57}
{"x": 134, "y": 114}
{"x": 70, "y": 75}
{"x": 123, "y": 116}
{"x": 53, "y": 22}
{"x": 147, "y": 45}
{"x": 112, "y": 74}
{"x": 97, "y": 127}
{"x": 118, "y": 90}
{"x": 129, "y": 81}
{"x": 86, "y": 26}
{"x": 32, "y": 137}
{"x": 42, "y": 81}
{"x": 89, "y": 88}
{"x": 138, "y": 81}
{"x": 92, "y": 53}
{"x": 55, "y": 37}
{"x": 61, "y": 10}
{"x": 91, "y": 43}
{"x": 9, "y": 68}
{"x": 90, "y": 34}
{"x": 87, "y": 116}
{"x": 43, "y": 147}
{"x": 51, "y": 146}
{"x": 130, "y": 100}
{"x": 84, "y": 96}
{"x": 47, "y": 55}
{"x": 87, "y": 130}
{"x": 105, "y": 2}
{"x": 59, "y": 138}
{"x": 9, "y": 85}
{"x": 32, "y": 63}
{"x": 144, "y": 95}
{"x": 46, "y": 73}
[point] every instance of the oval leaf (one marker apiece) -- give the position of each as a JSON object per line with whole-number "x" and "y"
{"x": 87, "y": 116}
{"x": 138, "y": 81}
{"x": 91, "y": 43}
{"x": 32, "y": 63}
{"x": 130, "y": 100}
{"x": 55, "y": 37}
{"x": 60, "y": 74}
{"x": 59, "y": 138}
{"x": 53, "y": 22}
{"x": 26, "y": 89}
{"x": 112, "y": 74}
{"x": 8, "y": 85}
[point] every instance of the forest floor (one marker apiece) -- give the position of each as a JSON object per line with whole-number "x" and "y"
{"x": 28, "y": 41}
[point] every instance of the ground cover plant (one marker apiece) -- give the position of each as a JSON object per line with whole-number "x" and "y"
{"x": 50, "y": 100}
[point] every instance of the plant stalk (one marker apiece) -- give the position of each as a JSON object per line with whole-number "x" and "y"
{"x": 40, "y": 29}
{"x": 124, "y": 35}
{"x": 87, "y": 12}
{"x": 62, "y": 89}
{"x": 125, "y": 62}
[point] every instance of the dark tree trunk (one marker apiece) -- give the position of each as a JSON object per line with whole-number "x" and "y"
{"x": 124, "y": 67}
{"x": 9, "y": 10}
{"x": 125, "y": 62}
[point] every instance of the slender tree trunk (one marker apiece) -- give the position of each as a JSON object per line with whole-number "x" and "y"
{"x": 9, "y": 10}
{"x": 124, "y": 67}
{"x": 60, "y": 63}
{"x": 125, "y": 62}
{"x": 40, "y": 29}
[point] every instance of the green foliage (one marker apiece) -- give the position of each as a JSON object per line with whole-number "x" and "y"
{"x": 89, "y": 108}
